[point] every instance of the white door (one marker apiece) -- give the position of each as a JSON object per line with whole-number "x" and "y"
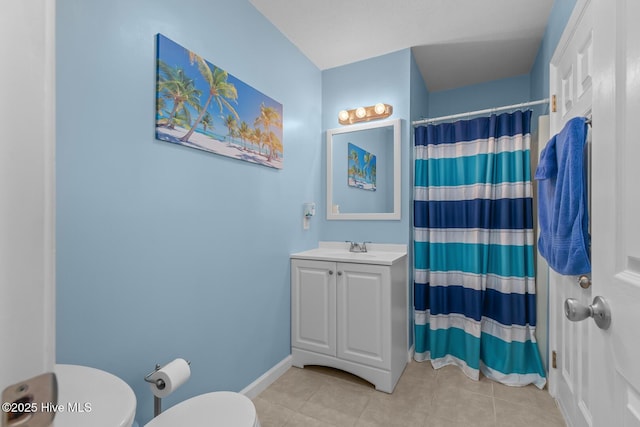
{"x": 313, "y": 306}
{"x": 364, "y": 314}
{"x": 27, "y": 269}
{"x": 597, "y": 379}
{"x": 615, "y": 353}
{"x": 571, "y": 83}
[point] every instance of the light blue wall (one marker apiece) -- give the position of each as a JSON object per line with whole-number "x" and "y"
{"x": 164, "y": 251}
{"x": 419, "y": 110}
{"x": 512, "y": 90}
{"x": 419, "y": 93}
{"x": 382, "y": 79}
{"x": 560, "y": 13}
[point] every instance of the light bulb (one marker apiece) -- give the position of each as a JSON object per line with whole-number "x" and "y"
{"x": 343, "y": 115}
{"x": 380, "y": 108}
{"x": 361, "y": 112}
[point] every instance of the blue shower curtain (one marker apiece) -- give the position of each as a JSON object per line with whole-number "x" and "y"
{"x": 474, "y": 284}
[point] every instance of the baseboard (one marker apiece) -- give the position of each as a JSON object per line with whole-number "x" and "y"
{"x": 266, "y": 379}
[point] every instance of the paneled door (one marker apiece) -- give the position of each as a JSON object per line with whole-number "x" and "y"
{"x": 364, "y": 314}
{"x": 615, "y": 353}
{"x": 597, "y": 378}
{"x": 571, "y": 84}
{"x": 313, "y": 302}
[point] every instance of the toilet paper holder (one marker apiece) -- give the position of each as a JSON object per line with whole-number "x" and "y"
{"x": 157, "y": 402}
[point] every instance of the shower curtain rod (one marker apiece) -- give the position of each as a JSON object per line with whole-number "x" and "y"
{"x": 488, "y": 110}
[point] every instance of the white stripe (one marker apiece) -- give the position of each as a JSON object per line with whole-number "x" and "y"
{"x": 470, "y": 372}
{"x": 475, "y": 236}
{"x": 505, "y": 190}
{"x": 420, "y": 276}
{"x": 513, "y": 379}
{"x": 473, "y": 148}
{"x": 505, "y": 285}
{"x": 421, "y": 317}
{"x": 422, "y": 357}
{"x": 455, "y": 320}
{"x": 508, "y": 333}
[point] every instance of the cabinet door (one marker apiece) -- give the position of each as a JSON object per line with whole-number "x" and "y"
{"x": 313, "y": 306}
{"x": 364, "y": 314}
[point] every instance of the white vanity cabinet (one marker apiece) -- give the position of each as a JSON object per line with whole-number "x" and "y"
{"x": 349, "y": 311}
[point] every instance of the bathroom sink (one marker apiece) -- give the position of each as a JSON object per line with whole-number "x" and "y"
{"x": 352, "y": 254}
{"x": 385, "y": 254}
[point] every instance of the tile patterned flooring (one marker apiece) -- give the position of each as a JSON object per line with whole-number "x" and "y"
{"x": 324, "y": 397}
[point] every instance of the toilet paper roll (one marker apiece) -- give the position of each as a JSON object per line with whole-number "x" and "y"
{"x": 173, "y": 374}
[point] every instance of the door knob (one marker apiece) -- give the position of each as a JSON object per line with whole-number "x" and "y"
{"x": 599, "y": 310}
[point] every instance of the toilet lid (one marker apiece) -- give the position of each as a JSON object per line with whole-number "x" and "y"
{"x": 217, "y": 409}
{"x": 91, "y": 397}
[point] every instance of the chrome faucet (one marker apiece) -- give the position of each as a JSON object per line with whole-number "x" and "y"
{"x": 357, "y": 247}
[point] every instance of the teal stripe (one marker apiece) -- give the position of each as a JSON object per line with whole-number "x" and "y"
{"x": 508, "y": 358}
{"x": 511, "y": 358}
{"x": 512, "y": 166}
{"x": 456, "y": 342}
{"x": 422, "y": 338}
{"x": 503, "y": 260}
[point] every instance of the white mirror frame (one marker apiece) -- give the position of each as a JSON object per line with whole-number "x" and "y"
{"x": 397, "y": 161}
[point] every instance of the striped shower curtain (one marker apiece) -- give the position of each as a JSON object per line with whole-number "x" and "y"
{"x": 474, "y": 284}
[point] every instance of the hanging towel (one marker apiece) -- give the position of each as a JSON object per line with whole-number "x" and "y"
{"x": 562, "y": 207}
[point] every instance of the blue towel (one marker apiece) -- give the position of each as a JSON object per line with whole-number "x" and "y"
{"x": 562, "y": 202}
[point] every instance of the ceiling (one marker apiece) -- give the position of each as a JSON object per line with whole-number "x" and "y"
{"x": 455, "y": 42}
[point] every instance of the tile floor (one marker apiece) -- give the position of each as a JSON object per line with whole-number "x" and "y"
{"x": 323, "y": 397}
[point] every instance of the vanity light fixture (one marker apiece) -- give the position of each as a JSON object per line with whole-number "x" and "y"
{"x": 364, "y": 114}
{"x": 343, "y": 116}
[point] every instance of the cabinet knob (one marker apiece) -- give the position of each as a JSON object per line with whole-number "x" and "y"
{"x": 330, "y": 272}
{"x": 339, "y": 273}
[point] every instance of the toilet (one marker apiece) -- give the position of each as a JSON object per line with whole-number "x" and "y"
{"x": 91, "y": 397}
{"x": 216, "y": 409}
{"x": 112, "y": 403}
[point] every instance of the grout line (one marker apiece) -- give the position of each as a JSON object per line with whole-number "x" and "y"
{"x": 436, "y": 386}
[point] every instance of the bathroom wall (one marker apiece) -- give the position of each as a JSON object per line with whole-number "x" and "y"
{"x": 419, "y": 94}
{"x": 390, "y": 79}
{"x": 419, "y": 109}
{"x": 512, "y": 90}
{"x": 560, "y": 13}
{"x": 164, "y": 251}
{"x": 382, "y": 79}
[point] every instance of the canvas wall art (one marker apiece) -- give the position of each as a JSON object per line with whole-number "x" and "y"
{"x": 200, "y": 105}
{"x": 362, "y": 168}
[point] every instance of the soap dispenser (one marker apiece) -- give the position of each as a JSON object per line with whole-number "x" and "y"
{"x": 309, "y": 210}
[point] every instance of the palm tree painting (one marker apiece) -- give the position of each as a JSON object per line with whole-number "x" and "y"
{"x": 202, "y": 106}
{"x": 361, "y": 169}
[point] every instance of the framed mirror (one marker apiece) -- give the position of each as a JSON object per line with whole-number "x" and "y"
{"x": 363, "y": 171}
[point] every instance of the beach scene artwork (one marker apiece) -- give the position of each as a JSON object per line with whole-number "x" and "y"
{"x": 362, "y": 168}
{"x": 201, "y": 106}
